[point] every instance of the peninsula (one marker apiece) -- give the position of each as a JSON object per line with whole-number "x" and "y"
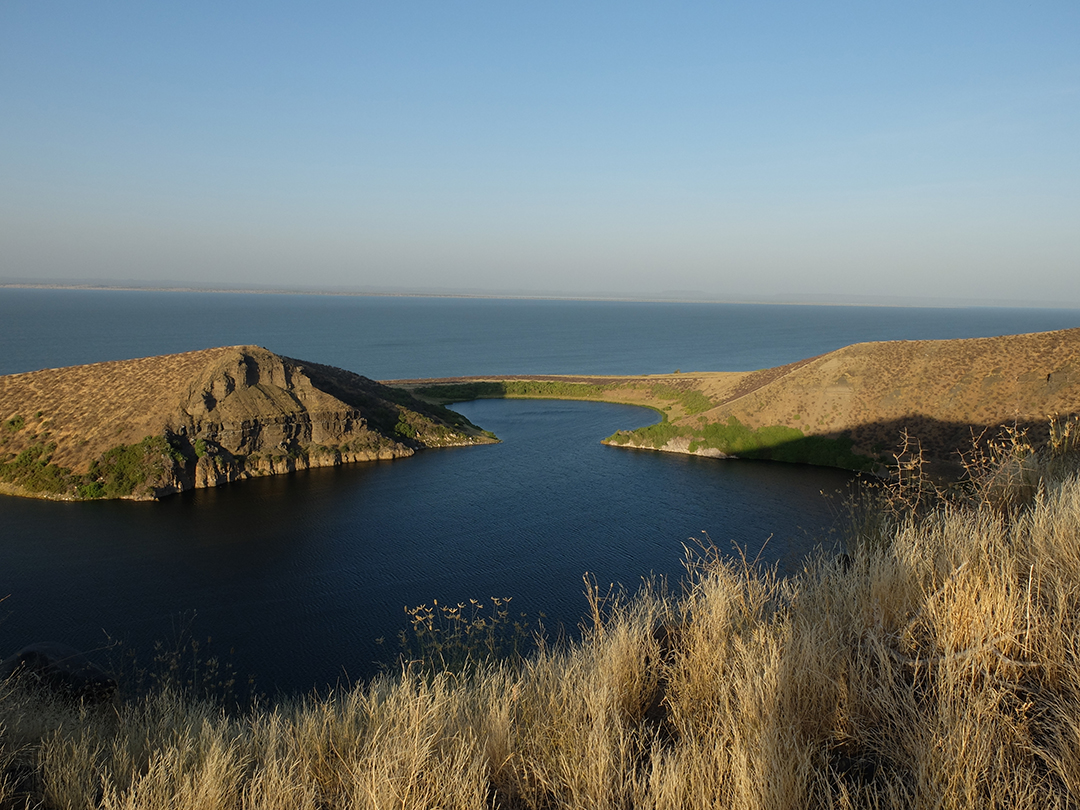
{"x": 146, "y": 428}
{"x": 154, "y": 426}
{"x": 849, "y": 408}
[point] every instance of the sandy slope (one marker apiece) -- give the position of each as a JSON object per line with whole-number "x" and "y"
{"x": 939, "y": 390}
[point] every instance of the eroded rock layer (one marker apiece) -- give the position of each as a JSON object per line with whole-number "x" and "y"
{"x": 158, "y": 425}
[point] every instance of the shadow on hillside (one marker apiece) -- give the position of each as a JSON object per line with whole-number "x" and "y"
{"x": 945, "y": 445}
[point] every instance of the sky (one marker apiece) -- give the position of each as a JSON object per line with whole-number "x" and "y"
{"x": 707, "y": 151}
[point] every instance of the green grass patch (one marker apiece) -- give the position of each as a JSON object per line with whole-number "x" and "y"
{"x": 124, "y": 468}
{"x": 33, "y": 470}
{"x": 733, "y": 438}
{"x": 692, "y": 400}
{"x": 119, "y": 472}
{"x": 655, "y": 436}
{"x": 555, "y": 390}
{"x": 533, "y": 389}
{"x": 695, "y": 402}
{"x": 661, "y": 391}
{"x": 463, "y": 392}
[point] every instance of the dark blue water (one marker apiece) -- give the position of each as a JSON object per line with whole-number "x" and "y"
{"x": 399, "y": 338}
{"x": 300, "y": 574}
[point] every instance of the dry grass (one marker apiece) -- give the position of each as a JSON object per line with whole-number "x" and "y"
{"x": 935, "y": 665}
{"x": 87, "y": 409}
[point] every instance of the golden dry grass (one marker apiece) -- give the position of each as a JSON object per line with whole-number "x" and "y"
{"x": 88, "y": 409}
{"x": 936, "y": 665}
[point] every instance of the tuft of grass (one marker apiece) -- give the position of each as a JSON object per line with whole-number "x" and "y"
{"x": 692, "y": 401}
{"x": 457, "y": 637}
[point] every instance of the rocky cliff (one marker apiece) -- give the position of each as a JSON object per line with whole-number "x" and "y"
{"x": 159, "y": 425}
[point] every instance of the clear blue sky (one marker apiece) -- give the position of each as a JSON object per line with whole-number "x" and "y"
{"x": 724, "y": 150}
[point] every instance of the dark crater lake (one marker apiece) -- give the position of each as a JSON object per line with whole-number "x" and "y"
{"x": 299, "y": 575}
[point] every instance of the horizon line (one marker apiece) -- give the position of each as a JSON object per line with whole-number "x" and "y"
{"x": 685, "y": 298}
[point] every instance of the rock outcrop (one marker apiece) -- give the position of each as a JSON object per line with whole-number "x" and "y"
{"x": 151, "y": 427}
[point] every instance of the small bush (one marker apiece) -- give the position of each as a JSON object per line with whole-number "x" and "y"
{"x": 33, "y": 470}
{"x": 125, "y": 468}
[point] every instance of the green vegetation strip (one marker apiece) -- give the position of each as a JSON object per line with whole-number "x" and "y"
{"x": 463, "y": 392}
{"x": 774, "y": 442}
{"x": 116, "y": 474}
{"x": 692, "y": 401}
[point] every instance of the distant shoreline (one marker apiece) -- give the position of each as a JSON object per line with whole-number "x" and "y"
{"x": 357, "y": 294}
{"x": 656, "y": 299}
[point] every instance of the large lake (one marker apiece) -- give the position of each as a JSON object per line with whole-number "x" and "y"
{"x": 300, "y": 575}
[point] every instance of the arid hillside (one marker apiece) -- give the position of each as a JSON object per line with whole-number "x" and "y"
{"x": 147, "y": 427}
{"x": 848, "y": 408}
{"x": 941, "y": 392}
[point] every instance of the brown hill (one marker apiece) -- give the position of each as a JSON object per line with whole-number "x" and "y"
{"x": 847, "y": 408}
{"x": 147, "y": 427}
{"x": 941, "y": 391}
{"x": 850, "y": 407}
